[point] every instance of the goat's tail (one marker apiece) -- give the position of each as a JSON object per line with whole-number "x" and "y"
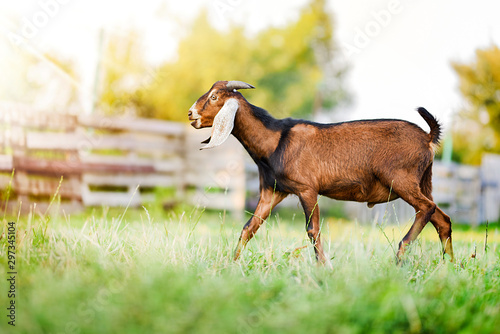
{"x": 433, "y": 124}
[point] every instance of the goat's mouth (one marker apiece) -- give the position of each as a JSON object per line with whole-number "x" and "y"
{"x": 196, "y": 123}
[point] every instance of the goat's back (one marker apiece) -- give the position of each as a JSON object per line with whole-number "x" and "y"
{"x": 357, "y": 150}
{"x": 363, "y": 137}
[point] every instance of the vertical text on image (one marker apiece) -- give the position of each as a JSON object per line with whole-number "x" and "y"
{"x": 11, "y": 273}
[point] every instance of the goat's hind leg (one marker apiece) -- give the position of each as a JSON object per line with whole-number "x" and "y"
{"x": 410, "y": 192}
{"x": 442, "y": 223}
{"x": 440, "y": 220}
{"x": 267, "y": 201}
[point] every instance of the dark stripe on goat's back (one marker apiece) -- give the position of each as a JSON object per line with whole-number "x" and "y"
{"x": 286, "y": 124}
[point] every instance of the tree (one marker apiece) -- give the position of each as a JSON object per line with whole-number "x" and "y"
{"x": 124, "y": 71}
{"x": 293, "y": 68}
{"x": 478, "y": 128}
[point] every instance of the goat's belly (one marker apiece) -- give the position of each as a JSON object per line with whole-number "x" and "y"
{"x": 380, "y": 194}
{"x": 345, "y": 191}
{"x": 359, "y": 192}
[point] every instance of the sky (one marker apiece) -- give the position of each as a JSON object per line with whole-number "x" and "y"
{"x": 398, "y": 51}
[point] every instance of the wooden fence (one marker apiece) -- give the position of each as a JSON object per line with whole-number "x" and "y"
{"x": 116, "y": 161}
{"x": 113, "y": 161}
{"x": 215, "y": 178}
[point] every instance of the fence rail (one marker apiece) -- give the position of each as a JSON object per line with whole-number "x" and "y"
{"x": 117, "y": 161}
{"x": 113, "y": 161}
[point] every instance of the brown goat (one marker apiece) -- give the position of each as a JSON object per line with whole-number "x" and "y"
{"x": 371, "y": 161}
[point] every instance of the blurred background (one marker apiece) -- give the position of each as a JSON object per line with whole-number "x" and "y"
{"x": 97, "y": 92}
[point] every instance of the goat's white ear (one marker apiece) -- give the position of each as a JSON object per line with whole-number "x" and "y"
{"x": 223, "y": 123}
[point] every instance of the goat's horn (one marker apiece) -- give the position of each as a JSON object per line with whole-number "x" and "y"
{"x": 223, "y": 123}
{"x": 238, "y": 85}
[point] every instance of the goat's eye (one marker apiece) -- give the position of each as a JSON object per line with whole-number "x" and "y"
{"x": 214, "y": 97}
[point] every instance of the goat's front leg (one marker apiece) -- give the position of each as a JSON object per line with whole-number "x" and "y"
{"x": 269, "y": 198}
{"x": 309, "y": 201}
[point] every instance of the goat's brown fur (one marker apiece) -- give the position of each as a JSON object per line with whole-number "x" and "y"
{"x": 371, "y": 161}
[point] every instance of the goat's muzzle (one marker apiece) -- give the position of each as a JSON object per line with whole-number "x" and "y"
{"x": 195, "y": 120}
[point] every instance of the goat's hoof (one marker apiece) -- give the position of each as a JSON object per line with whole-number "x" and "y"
{"x": 448, "y": 257}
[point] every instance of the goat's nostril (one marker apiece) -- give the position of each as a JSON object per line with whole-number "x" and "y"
{"x": 190, "y": 113}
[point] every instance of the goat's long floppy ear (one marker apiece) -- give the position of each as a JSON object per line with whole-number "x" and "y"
{"x": 238, "y": 85}
{"x": 223, "y": 123}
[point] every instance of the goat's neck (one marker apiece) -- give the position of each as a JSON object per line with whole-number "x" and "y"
{"x": 259, "y": 136}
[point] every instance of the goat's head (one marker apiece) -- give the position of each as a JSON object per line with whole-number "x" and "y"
{"x": 217, "y": 108}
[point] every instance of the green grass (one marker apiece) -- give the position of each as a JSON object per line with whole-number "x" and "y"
{"x": 139, "y": 272}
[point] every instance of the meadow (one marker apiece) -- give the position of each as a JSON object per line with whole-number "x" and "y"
{"x": 147, "y": 271}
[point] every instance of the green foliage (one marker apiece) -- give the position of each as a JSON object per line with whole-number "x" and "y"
{"x": 124, "y": 71}
{"x": 288, "y": 65}
{"x": 478, "y": 129}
